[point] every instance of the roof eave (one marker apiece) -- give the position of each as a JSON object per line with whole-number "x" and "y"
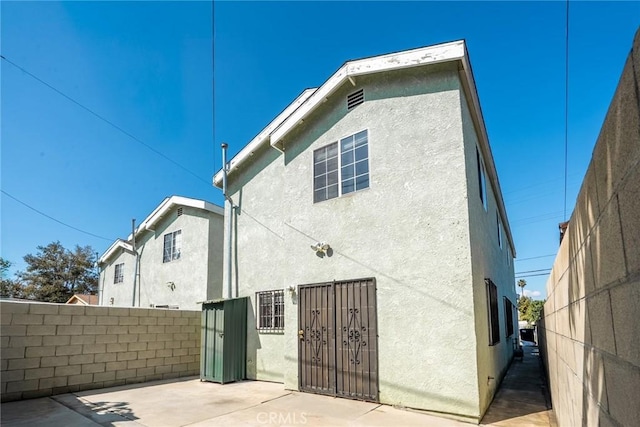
{"x": 118, "y": 244}
{"x": 476, "y": 112}
{"x": 263, "y": 137}
{"x": 445, "y": 52}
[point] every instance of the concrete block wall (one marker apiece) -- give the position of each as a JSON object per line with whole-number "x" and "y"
{"x": 56, "y": 348}
{"x": 590, "y": 333}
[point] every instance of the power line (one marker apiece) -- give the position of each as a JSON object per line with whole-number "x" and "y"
{"x": 532, "y": 271}
{"x": 533, "y": 275}
{"x": 566, "y": 109}
{"x": 535, "y": 257}
{"x": 52, "y": 218}
{"x": 213, "y": 82}
{"x": 104, "y": 119}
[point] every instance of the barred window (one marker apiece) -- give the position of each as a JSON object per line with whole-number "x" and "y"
{"x": 270, "y": 311}
{"x": 118, "y": 276}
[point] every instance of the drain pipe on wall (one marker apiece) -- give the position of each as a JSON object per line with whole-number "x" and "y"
{"x": 227, "y": 219}
{"x": 135, "y": 264}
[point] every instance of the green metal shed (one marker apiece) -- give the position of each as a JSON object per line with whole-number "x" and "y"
{"x": 223, "y": 355}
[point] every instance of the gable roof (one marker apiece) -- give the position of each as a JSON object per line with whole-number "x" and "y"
{"x": 311, "y": 99}
{"x": 148, "y": 224}
{"x": 83, "y": 299}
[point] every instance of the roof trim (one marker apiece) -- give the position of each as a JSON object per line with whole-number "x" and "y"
{"x": 264, "y": 136}
{"x": 311, "y": 99}
{"x": 118, "y": 244}
{"x": 168, "y": 204}
{"x": 469, "y": 85}
{"x": 152, "y": 220}
{"x": 444, "y": 52}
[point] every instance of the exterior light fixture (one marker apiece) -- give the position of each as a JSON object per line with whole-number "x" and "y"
{"x": 321, "y": 247}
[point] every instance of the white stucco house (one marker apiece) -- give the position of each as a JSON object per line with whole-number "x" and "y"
{"x": 370, "y": 234}
{"x": 176, "y": 261}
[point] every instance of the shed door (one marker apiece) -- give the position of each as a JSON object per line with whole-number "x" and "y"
{"x": 213, "y": 339}
{"x": 338, "y": 339}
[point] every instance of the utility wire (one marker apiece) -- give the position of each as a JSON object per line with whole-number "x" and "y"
{"x": 52, "y": 218}
{"x": 535, "y": 257}
{"x": 566, "y": 108}
{"x": 532, "y": 275}
{"x": 104, "y": 119}
{"x": 532, "y": 271}
{"x": 213, "y": 84}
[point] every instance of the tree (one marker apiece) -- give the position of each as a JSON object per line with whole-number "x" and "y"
{"x": 54, "y": 274}
{"x": 530, "y": 310}
{"x": 9, "y": 288}
{"x": 522, "y": 283}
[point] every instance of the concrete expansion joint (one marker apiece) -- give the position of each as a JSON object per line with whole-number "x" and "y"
{"x": 277, "y": 397}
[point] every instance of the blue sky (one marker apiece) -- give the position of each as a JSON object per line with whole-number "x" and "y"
{"x": 147, "y": 68}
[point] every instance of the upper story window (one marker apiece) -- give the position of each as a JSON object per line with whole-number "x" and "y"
{"x": 499, "y": 227}
{"x": 341, "y": 168}
{"x": 172, "y": 246}
{"x": 482, "y": 180}
{"x": 118, "y": 274}
{"x": 270, "y": 311}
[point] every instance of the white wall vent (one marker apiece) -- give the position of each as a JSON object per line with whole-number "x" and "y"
{"x": 355, "y": 99}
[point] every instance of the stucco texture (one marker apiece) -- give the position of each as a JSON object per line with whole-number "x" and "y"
{"x": 410, "y": 230}
{"x": 196, "y": 276}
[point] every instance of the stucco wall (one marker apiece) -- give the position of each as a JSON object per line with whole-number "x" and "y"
{"x": 197, "y": 275}
{"x": 590, "y": 329}
{"x": 404, "y": 230}
{"x": 56, "y": 348}
{"x": 489, "y": 260}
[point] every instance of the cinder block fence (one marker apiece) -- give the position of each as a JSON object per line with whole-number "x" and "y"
{"x": 56, "y": 348}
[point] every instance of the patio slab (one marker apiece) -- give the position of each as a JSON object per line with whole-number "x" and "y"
{"x": 521, "y": 401}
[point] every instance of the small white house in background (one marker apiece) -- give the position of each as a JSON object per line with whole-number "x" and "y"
{"x": 176, "y": 262}
{"x": 370, "y": 234}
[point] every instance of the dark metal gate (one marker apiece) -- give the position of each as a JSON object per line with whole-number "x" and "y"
{"x": 338, "y": 341}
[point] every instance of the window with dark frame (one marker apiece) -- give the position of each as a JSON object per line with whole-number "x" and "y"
{"x": 482, "y": 180}
{"x": 492, "y": 305}
{"x": 508, "y": 315}
{"x": 499, "y": 227}
{"x": 270, "y": 311}
{"x": 172, "y": 246}
{"x": 341, "y": 167}
{"x": 118, "y": 275}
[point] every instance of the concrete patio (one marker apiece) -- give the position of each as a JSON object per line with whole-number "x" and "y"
{"x": 189, "y": 402}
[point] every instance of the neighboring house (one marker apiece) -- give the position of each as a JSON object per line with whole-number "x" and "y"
{"x": 83, "y": 299}
{"x": 370, "y": 233}
{"x": 179, "y": 252}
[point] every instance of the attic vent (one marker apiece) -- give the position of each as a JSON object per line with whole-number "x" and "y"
{"x": 355, "y": 99}
{"x": 179, "y": 211}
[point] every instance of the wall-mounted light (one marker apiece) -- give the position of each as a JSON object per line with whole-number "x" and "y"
{"x": 171, "y": 285}
{"x": 321, "y": 247}
{"x": 292, "y": 289}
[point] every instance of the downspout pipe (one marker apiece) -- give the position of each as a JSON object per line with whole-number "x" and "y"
{"x": 227, "y": 217}
{"x": 135, "y": 264}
